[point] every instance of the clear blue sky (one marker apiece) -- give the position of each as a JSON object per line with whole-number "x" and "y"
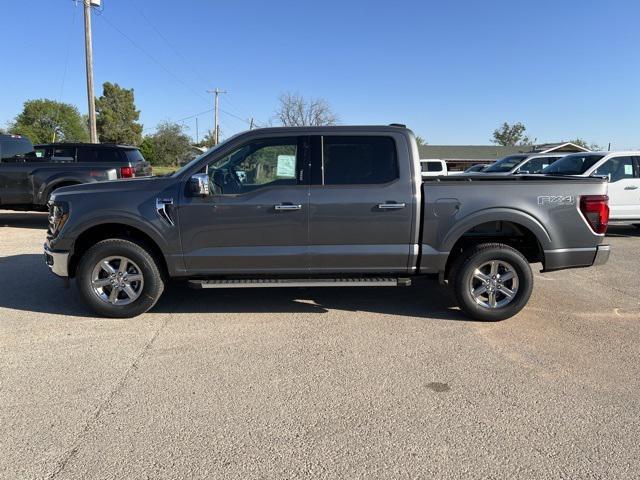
{"x": 451, "y": 70}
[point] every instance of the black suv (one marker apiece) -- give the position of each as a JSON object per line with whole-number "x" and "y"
{"x": 29, "y": 175}
{"x": 133, "y": 163}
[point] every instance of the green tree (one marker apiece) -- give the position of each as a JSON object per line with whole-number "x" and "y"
{"x": 148, "y": 151}
{"x": 169, "y": 145}
{"x": 46, "y": 120}
{"x": 207, "y": 140}
{"x": 116, "y": 116}
{"x": 511, "y": 135}
{"x": 420, "y": 140}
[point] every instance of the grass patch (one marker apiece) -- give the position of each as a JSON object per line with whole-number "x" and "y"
{"x": 162, "y": 170}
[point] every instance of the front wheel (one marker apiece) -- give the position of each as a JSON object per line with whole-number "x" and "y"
{"x": 118, "y": 278}
{"x": 492, "y": 281}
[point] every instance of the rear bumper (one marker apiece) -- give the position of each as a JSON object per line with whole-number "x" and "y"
{"x": 575, "y": 257}
{"x": 58, "y": 262}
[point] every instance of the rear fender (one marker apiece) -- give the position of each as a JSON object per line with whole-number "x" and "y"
{"x": 517, "y": 217}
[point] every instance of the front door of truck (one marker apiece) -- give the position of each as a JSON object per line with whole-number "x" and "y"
{"x": 255, "y": 219}
{"x": 624, "y": 187}
{"x": 362, "y": 204}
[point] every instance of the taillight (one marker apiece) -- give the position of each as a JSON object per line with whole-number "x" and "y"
{"x": 595, "y": 209}
{"x": 127, "y": 172}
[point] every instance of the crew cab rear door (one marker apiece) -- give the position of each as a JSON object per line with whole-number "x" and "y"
{"x": 361, "y": 203}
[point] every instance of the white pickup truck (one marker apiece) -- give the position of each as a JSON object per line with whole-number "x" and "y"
{"x": 623, "y": 171}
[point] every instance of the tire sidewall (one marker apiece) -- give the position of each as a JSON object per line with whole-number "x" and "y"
{"x": 479, "y": 257}
{"x": 151, "y": 290}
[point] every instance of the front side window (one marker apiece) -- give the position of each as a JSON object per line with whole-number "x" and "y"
{"x": 359, "y": 160}
{"x": 267, "y": 162}
{"x": 617, "y": 168}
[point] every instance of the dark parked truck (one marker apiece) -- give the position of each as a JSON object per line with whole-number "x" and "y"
{"x": 29, "y": 175}
{"x": 322, "y": 206}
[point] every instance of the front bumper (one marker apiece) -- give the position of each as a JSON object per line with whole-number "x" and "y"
{"x": 58, "y": 262}
{"x": 575, "y": 257}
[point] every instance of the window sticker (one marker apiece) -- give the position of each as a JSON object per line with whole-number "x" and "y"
{"x": 628, "y": 170}
{"x": 286, "y": 167}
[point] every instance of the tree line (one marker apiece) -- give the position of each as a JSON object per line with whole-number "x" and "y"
{"x": 117, "y": 121}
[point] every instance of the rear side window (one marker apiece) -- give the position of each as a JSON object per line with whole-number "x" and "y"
{"x": 134, "y": 156}
{"x": 104, "y": 155}
{"x": 359, "y": 160}
{"x": 431, "y": 167}
{"x": 616, "y": 168}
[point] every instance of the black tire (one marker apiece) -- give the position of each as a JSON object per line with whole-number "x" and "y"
{"x": 462, "y": 278}
{"x": 149, "y": 290}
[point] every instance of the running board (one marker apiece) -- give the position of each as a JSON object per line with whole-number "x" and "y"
{"x": 302, "y": 282}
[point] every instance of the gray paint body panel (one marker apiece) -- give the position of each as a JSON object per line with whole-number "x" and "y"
{"x": 338, "y": 229}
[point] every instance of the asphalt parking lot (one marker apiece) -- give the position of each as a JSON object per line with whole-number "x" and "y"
{"x": 319, "y": 383}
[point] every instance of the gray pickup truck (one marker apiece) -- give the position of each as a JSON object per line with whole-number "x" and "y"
{"x": 29, "y": 175}
{"x": 322, "y": 206}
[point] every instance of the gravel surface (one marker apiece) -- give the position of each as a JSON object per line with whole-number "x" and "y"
{"x": 318, "y": 383}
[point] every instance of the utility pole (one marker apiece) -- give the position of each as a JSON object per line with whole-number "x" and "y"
{"x": 88, "y": 49}
{"x": 216, "y": 127}
{"x": 251, "y": 124}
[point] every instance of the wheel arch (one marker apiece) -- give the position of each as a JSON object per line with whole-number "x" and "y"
{"x": 102, "y": 231}
{"x": 517, "y": 229}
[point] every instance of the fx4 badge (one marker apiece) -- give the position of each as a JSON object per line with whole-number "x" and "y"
{"x": 555, "y": 200}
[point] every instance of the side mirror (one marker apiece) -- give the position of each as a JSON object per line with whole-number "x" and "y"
{"x": 198, "y": 185}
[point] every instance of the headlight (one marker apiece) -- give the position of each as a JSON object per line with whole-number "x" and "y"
{"x": 58, "y": 216}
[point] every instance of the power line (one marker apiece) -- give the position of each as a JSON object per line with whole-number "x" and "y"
{"x": 167, "y": 70}
{"x": 169, "y": 44}
{"x": 185, "y": 118}
{"x": 151, "y": 57}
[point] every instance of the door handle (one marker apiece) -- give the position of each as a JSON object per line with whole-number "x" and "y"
{"x": 391, "y": 206}
{"x": 287, "y": 207}
{"x": 631, "y": 187}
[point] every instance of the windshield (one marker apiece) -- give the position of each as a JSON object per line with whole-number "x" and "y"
{"x": 505, "y": 164}
{"x": 575, "y": 164}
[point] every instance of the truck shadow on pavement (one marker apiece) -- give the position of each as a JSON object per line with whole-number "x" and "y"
{"x": 27, "y": 285}
{"x": 35, "y": 220}
{"x": 623, "y": 231}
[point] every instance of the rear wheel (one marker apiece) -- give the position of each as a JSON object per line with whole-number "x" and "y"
{"x": 119, "y": 278}
{"x": 492, "y": 281}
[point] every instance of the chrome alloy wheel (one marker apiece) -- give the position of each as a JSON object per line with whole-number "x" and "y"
{"x": 117, "y": 280}
{"x": 494, "y": 284}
